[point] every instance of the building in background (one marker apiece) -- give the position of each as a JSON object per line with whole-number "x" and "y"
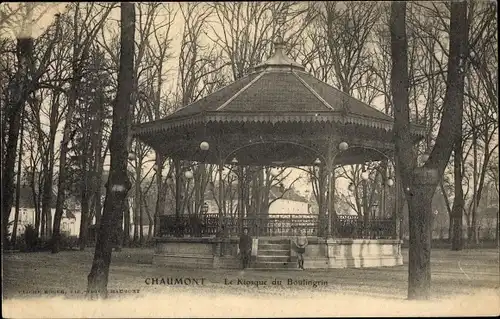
{"x": 70, "y": 222}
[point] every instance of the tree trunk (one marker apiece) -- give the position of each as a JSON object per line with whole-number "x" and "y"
{"x": 137, "y": 196}
{"x": 126, "y": 225}
{"x": 47, "y": 196}
{"x": 420, "y": 221}
{"x": 84, "y": 224}
{"x": 150, "y": 219}
{"x": 419, "y": 196}
{"x": 18, "y": 186}
{"x": 43, "y": 223}
{"x": 118, "y": 183}
{"x": 141, "y": 216}
{"x": 161, "y": 194}
{"x": 135, "y": 234}
{"x": 86, "y": 189}
{"x": 127, "y": 209}
{"x": 20, "y": 95}
{"x": 473, "y": 234}
{"x": 48, "y": 164}
{"x": 67, "y": 134}
{"x": 448, "y": 209}
{"x": 100, "y": 167}
{"x": 97, "y": 195}
{"x": 36, "y": 202}
{"x": 119, "y": 231}
{"x": 498, "y": 230}
{"x": 96, "y": 145}
{"x": 458, "y": 201}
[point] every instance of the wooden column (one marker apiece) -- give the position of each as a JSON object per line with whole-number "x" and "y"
{"x": 333, "y": 202}
{"x": 177, "y": 167}
{"x": 383, "y": 205}
{"x": 366, "y": 212}
{"x": 330, "y": 186}
{"x": 241, "y": 199}
{"x": 221, "y": 199}
{"x": 321, "y": 200}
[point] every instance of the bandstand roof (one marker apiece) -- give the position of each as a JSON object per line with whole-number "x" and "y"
{"x": 278, "y": 99}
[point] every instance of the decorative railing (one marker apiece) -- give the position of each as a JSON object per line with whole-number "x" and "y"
{"x": 282, "y": 225}
{"x": 194, "y": 226}
{"x": 355, "y": 227}
{"x": 277, "y": 225}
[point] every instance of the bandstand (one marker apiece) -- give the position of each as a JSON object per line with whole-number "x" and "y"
{"x": 278, "y": 115}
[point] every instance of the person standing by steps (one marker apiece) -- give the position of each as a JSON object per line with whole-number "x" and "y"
{"x": 300, "y": 243}
{"x": 245, "y": 246}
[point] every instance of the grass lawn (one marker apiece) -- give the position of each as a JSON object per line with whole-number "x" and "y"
{"x": 63, "y": 275}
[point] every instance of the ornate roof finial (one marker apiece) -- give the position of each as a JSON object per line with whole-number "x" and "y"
{"x": 279, "y": 59}
{"x": 279, "y": 45}
{"x": 280, "y": 35}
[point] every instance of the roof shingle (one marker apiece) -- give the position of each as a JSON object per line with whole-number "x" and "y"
{"x": 276, "y": 92}
{"x": 338, "y": 99}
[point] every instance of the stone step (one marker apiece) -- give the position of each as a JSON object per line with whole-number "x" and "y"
{"x": 274, "y": 252}
{"x": 273, "y": 258}
{"x": 277, "y": 269}
{"x": 274, "y": 246}
{"x": 274, "y": 265}
{"x": 274, "y": 241}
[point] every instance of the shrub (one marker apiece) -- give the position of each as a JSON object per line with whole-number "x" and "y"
{"x": 149, "y": 243}
{"x": 68, "y": 242}
{"x": 30, "y": 238}
{"x": 43, "y": 244}
{"x": 20, "y": 243}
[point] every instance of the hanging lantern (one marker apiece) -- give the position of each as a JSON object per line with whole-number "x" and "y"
{"x": 317, "y": 161}
{"x": 234, "y": 161}
{"x": 343, "y": 146}
{"x": 188, "y": 174}
{"x": 365, "y": 176}
{"x": 204, "y": 146}
{"x": 390, "y": 182}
